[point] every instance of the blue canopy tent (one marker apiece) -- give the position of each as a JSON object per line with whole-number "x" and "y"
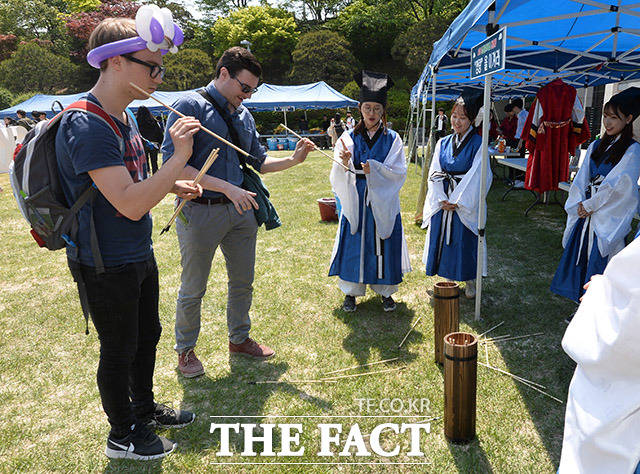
{"x": 269, "y": 97}
{"x": 52, "y": 104}
{"x": 317, "y": 95}
{"x": 584, "y": 42}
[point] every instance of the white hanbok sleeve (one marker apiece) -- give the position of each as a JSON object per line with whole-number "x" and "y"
{"x": 344, "y": 183}
{"x": 615, "y": 202}
{"x": 383, "y": 184}
{"x": 537, "y": 113}
{"x": 435, "y": 191}
{"x": 602, "y": 422}
{"x": 467, "y": 193}
{"x": 576, "y": 195}
{"x": 577, "y": 113}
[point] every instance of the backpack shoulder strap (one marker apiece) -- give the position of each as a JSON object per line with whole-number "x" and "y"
{"x": 89, "y": 107}
{"x": 133, "y": 121}
{"x": 94, "y": 109}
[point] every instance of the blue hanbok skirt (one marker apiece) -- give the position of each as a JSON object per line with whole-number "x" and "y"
{"x": 346, "y": 263}
{"x": 458, "y": 260}
{"x": 570, "y": 278}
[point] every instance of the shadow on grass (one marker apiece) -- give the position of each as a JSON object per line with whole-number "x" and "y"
{"x": 373, "y": 329}
{"x": 470, "y": 458}
{"x": 125, "y": 465}
{"x": 238, "y": 400}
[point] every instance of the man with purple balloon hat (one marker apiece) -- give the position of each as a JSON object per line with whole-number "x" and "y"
{"x": 100, "y": 146}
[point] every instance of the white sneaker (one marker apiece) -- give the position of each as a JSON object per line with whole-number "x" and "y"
{"x": 470, "y": 289}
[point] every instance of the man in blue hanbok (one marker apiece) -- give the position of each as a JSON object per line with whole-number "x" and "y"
{"x": 370, "y": 247}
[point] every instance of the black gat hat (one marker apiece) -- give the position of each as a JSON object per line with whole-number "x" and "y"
{"x": 373, "y": 86}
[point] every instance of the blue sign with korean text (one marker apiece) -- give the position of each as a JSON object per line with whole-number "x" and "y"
{"x": 489, "y": 55}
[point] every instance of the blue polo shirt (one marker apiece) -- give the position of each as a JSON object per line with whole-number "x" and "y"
{"x": 227, "y": 165}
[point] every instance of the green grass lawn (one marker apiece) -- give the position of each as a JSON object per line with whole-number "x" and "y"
{"x": 51, "y": 415}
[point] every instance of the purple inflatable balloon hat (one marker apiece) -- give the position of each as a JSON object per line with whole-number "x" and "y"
{"x": 154, "y": 26}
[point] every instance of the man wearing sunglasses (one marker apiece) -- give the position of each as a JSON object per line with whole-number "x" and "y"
{"x": 224, "y": 215}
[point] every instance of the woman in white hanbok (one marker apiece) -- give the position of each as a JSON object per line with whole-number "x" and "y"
{"x": 603, "y": 199}
{"x": 450, "y": 211}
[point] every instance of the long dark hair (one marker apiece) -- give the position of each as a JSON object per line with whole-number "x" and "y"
{"x": 362, "y": 128}
{"x": 619, "y": 148}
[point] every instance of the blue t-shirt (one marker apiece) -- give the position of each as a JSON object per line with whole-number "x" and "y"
{"x": 85, "y": 143}
{"x": 227, "y": 165}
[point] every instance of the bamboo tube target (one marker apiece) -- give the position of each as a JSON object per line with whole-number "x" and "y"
{"x": 446, "y": 314}
{"x": 460, "y": 378}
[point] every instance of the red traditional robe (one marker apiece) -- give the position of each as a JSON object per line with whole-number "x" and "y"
{"x": 556, "y": 125}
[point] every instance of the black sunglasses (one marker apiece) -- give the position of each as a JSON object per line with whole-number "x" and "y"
{"x": 155, "y": 70}
{"x": 246, "y": 88}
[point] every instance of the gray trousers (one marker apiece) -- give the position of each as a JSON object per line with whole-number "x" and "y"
{"x": 208, "y": 227}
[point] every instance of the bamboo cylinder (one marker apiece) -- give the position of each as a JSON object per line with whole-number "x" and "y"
{"x": 460, "y": 371}
{"x": 446, "y": 314}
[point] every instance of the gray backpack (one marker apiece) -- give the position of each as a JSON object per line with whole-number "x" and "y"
{"x": 38, "y": 191}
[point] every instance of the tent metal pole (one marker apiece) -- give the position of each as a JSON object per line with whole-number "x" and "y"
{"x": 555, "y": 18}
{"x": 407, "y": 133}
{"x": 433, "y": 103}
{"x": 418, "y": 123}
{"x": 285, "y": 121}
{"x": 424, "y": 125}
{"x": 482, "y": 208}
{"x": 433, "y": 114}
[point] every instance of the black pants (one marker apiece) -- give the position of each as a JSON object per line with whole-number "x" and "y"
{"x": 124, "y": 309}
{"x": 440, "y": 134}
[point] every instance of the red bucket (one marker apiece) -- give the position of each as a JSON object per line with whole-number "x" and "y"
{"x": 327, "y": 209}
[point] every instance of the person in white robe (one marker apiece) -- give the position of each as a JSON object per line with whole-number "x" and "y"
{"x": 602, "y": 421}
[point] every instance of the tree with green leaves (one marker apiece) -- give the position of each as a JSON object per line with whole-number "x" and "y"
{"x": 212, "y": 7}
{"x": 272, "y": 33}
{"x": 32, "y": 67}
{"x": 80, "y": 25}
{"x": 423, "y": 9}
{"x": 76, "y": 6}
{"x": 371, "y": 27}
{"x": 189, "y": 69}
{"x": 35, "y": 19}
{"x": 352, "y": 90}
{"x": 319, "y": 10}
{"x": 6, "y": 97}
{"x": 323, "y": 56}
{"x": 431, "y": 19}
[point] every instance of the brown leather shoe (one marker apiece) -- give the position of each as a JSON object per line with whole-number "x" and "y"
{"x": 251, "y": 348}
{"x": 189, "y": 365}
